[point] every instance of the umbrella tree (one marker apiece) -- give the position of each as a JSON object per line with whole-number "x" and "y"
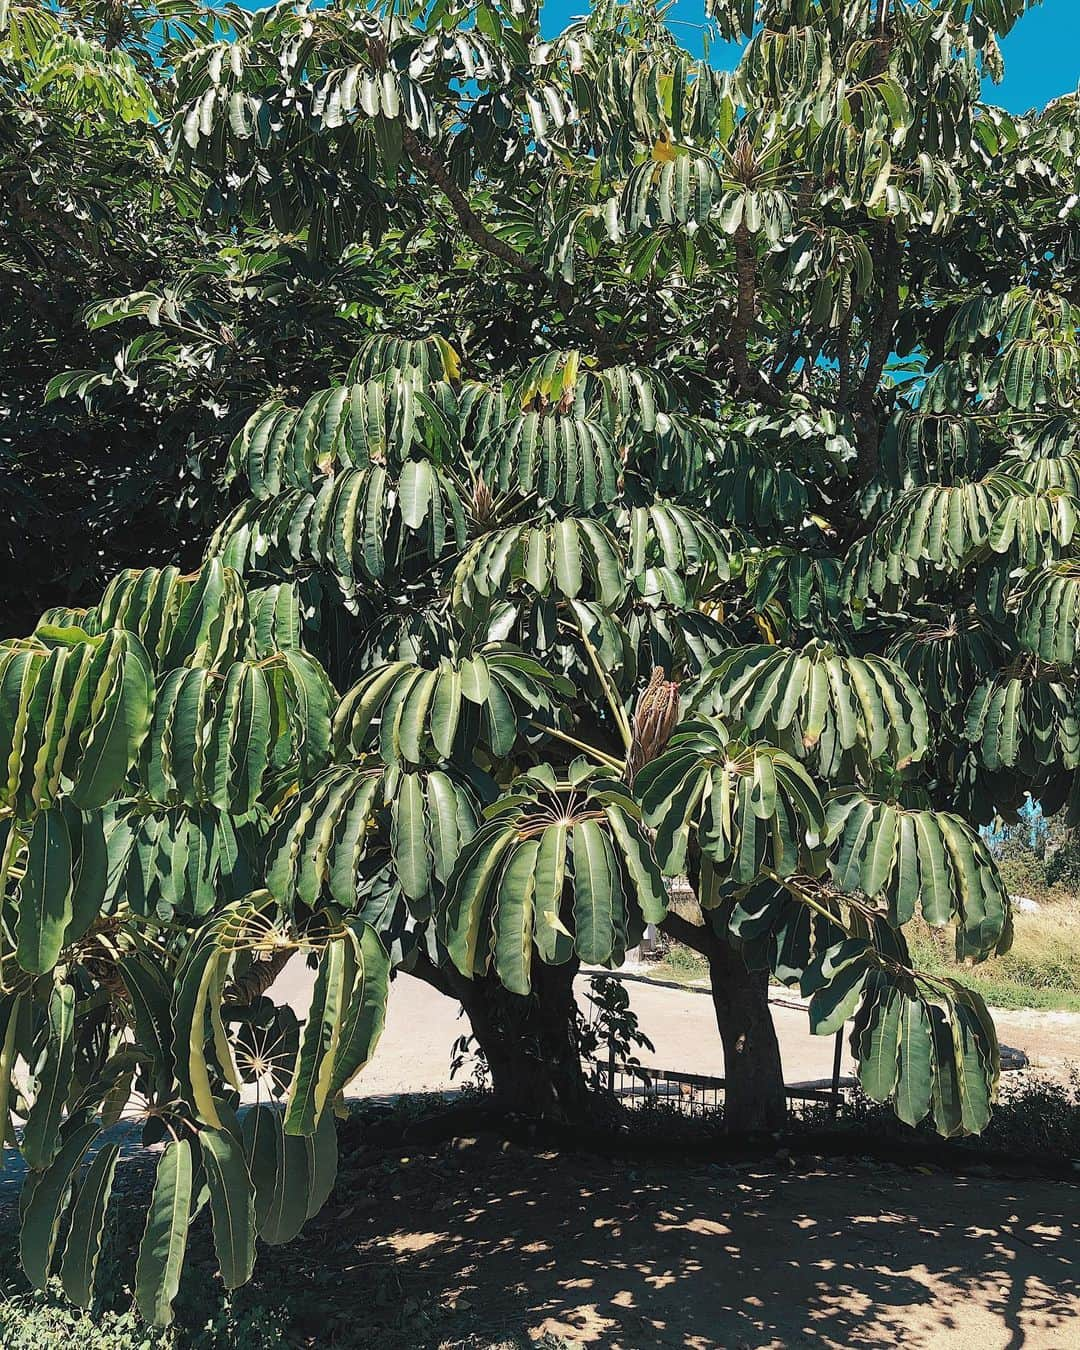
{"x": 700, "y": 502}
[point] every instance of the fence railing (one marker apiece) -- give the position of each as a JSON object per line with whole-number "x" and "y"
{"x": 699, "y": 1094}
{"x": 696, "y": 1094}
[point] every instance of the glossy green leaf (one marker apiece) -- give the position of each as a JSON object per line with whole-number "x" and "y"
{"x": 164, "y": 1242}
{"x": 232, "y": 1205}
{"x": 83, "y": 1247}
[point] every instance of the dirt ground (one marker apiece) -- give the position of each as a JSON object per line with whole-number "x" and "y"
{"x": 509, "y": 1246}
{"x": 477, "y": 1246}
{"x": 1049, "y": 1039}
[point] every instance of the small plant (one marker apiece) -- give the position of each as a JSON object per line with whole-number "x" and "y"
{"x": 468, "y": 1054}
{"x": 676, "y": 961}
{"x": 610, "y": 1033}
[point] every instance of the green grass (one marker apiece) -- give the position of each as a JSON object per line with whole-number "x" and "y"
{"x": 681, "y": 964}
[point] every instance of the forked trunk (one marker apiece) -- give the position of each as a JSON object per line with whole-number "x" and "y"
{"x": 531, "y": 1044}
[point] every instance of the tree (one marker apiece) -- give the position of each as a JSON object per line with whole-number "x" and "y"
{"x": 166, "y": 374}
{"x": 87, "y": 212}
{"x": 700, "y": 502}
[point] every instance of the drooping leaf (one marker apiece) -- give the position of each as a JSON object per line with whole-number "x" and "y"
{"x": 232, "y": 1205}
{"x": 83, "y": 1246}
{"x": 164, "y": 1242}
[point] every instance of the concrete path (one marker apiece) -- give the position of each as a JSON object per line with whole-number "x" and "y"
{"x": 422, "y": 1025}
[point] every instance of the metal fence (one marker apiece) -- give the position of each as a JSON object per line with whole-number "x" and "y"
{"x": 695, "y": 1094}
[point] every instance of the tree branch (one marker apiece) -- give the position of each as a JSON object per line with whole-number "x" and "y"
{"x": 424, "y": 158}
{"x": 881, "y": 344}
{"x": 748, "y": 379}
{"x": 426, "y": 970}
{"x": 250, "y": 987}
{"x": 843, "y": 343}
{"x": 693, "y": 935}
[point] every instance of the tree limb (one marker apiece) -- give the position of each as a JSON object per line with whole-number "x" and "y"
{"x": 424, "y": 158}
{"x": 425, "y": 969}
{"x": 748, "y": 379}
{"x": 881, "y": 344}
{"x": 843, "y": 344}
{"x": 251, "y": 986}
{"x": 693, "y": 935}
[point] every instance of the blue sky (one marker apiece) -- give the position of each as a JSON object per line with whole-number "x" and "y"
{"x": 1042, "y": 57}
{"x": 1042, "y": 54}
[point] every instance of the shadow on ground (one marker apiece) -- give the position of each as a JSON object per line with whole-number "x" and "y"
{"x": 513, "y": 1243}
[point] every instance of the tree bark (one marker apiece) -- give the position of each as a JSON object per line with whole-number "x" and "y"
{"x": 530, "y": 1044}
{"x": 754, "y": 1099}
{"x": 753, "y": 1075}
{"x": 887, "y": 261}
{"x": 748, "y": 377}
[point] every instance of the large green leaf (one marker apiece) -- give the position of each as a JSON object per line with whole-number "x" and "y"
{"x": 45, "y": 1198}
{"x": 506, "y": 893}
{"x": 357, "y": 525}
{"x": 232, "y": 1205}
{"x": 42, "y": 1135}
{"x": 927, "y": 531}
{"x": 753, "y": 809}
{"x": 197, "y": 620}
{"x": 569, "y": 558}
{"x": 838, "y": 713}
{"x": 344, "y": 1022}
{"x": 363, "y": 812}
{"x": 930, "y": 1046}
{"x": 164, "y": 1242}
{"x": 415, "y": 715}
{"x": 278, "y": 1164}
{"x": 562, "y": 458}
{"x": 903, "y": 856}
{"x": 1048, "y": 613}
{"x": 71, "y": 706}
{"x": 45, "y": 893}
{"x": 83, "y": 1246}
{"x": 222, "y": 738}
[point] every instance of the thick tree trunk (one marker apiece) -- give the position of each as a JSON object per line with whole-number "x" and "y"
{"x": 530, "y": 1044}
{"x": 754, "y": 1093}
{"x": 754, "y": 1099}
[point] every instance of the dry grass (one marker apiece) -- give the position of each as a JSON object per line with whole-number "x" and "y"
{"x": 1042, "y": 969}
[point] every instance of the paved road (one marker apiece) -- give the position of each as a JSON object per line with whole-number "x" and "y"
{"x": 422, "y": 1025}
